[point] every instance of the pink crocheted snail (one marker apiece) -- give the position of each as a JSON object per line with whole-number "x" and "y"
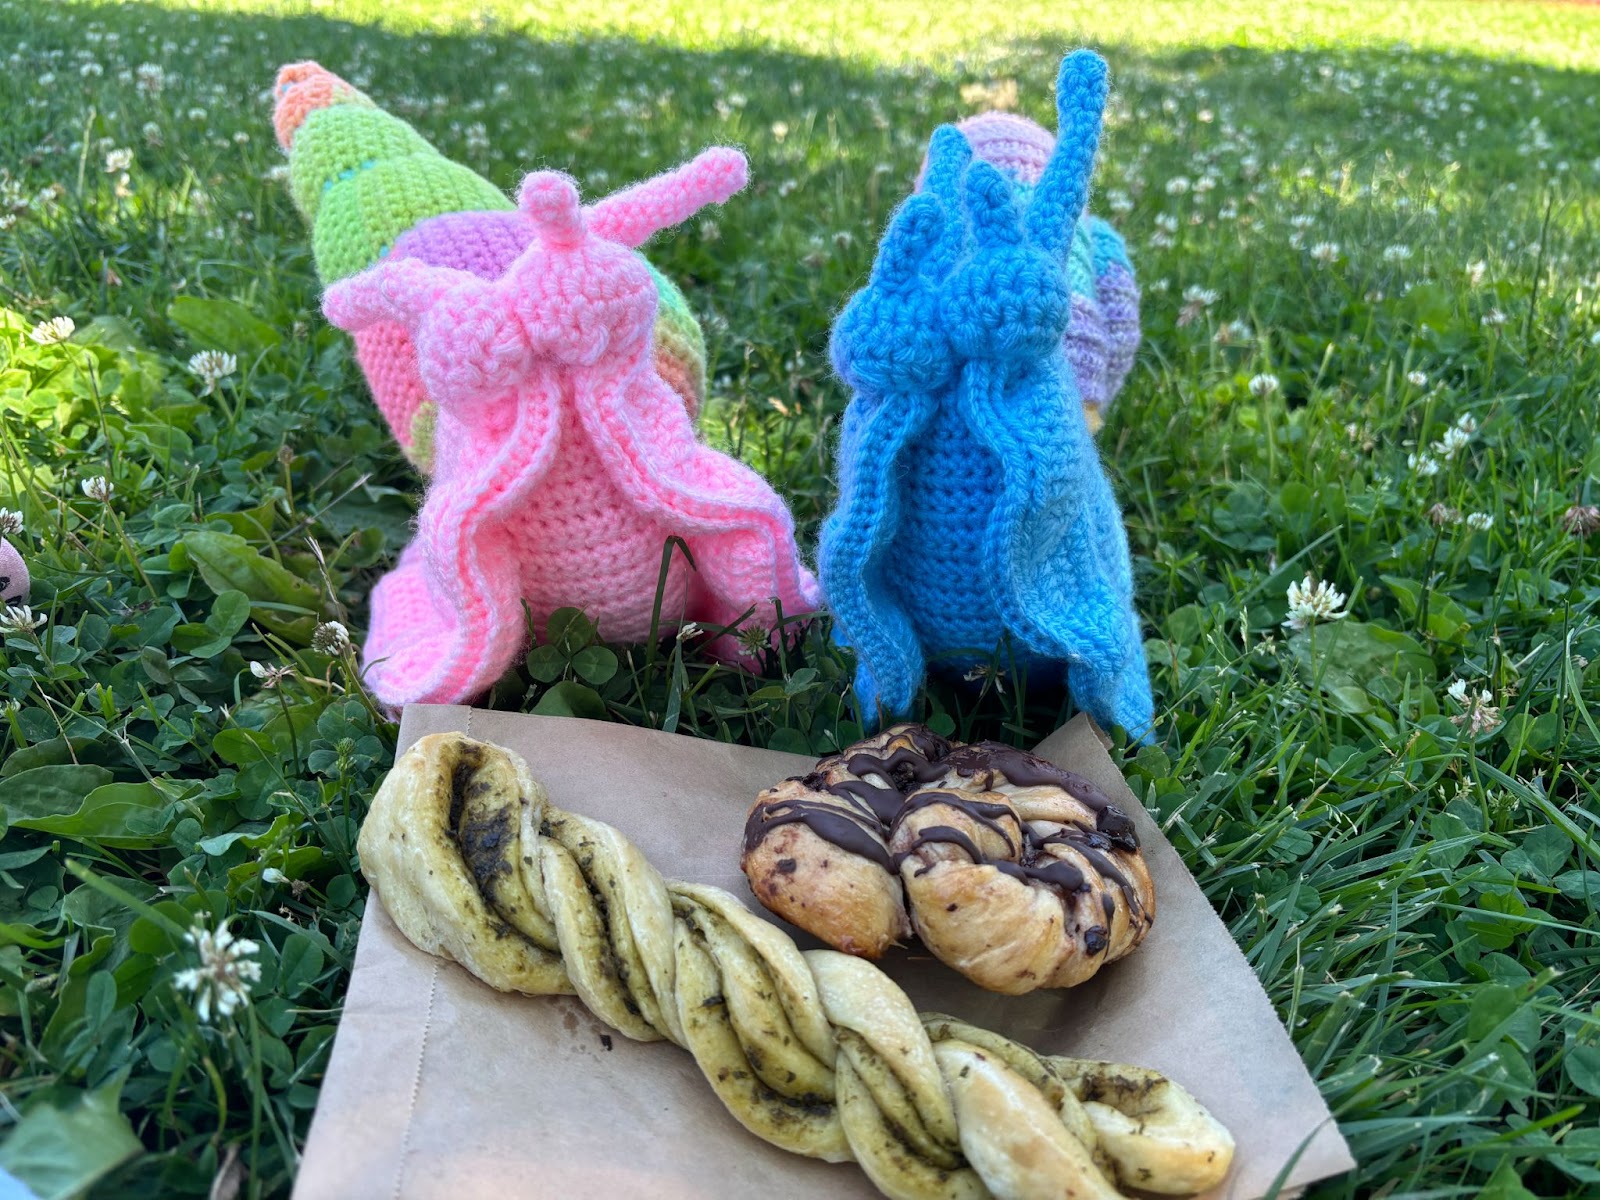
{"x": 562, "y": 461}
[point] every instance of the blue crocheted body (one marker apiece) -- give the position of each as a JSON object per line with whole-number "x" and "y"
{"x": 948, "y": 499}
{"x": 973, "y": 507}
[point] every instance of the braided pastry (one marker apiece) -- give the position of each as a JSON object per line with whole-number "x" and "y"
{"x": 1018, "y": 874}
{"x": 818, "y": 1053}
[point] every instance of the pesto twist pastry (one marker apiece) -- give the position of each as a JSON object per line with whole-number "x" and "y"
{"x": 1017, "y": 873}
{"x": 818, "y": 1053}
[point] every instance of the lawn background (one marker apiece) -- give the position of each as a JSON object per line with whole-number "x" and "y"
{"x": 1419, "y": 901}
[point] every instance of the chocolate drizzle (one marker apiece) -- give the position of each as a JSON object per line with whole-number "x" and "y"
{"x": 882, "y": 803}
{"x": 921, "y": 757}
{"x": 843, "y": 828}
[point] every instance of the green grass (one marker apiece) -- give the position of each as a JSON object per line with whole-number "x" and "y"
{"x": 1419, "y": 901}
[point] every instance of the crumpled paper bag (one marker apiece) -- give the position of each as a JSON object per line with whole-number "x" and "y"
{"x": 440, "y": 1087}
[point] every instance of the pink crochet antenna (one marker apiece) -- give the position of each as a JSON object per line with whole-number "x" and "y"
{"x": 563, "y": 461}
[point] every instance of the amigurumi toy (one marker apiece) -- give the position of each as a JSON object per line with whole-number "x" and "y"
{"x": 563, "y": 461}
{"x": 14, "y": 583}
{"x": 1103, "y": 335}
{"x": 973, "y": 509}
{"x": 372, "y": 188}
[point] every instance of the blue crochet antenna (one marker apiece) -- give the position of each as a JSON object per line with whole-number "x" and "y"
{"x": 973, "y": 510}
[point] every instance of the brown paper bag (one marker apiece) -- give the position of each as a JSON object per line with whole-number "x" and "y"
{"x": 440, "y": 1087}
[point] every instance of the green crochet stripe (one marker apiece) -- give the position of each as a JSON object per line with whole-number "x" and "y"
{"x": 676, "y": 324}
{"x": 362, "y": 178}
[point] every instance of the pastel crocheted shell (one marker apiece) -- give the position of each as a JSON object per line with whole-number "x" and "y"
{"x": 14, "y": 582}
{"x": 974, "y": 516}
{"x": 1103, "y": 336}
{"x": 372, "y": 188}
{"x": 563, "y": 460}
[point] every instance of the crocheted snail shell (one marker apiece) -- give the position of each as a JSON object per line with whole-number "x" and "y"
{"x": 371, "y": 188}
{"x": 14, "y": 582}
{"x": 1104, "y": 334}
{"x": 974, "y": 516}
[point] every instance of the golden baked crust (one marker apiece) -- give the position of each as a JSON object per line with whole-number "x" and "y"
{"x": 819, "y": 1053}
{"x": 1013, "y": 871}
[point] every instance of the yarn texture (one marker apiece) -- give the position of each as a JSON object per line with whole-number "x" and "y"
{"x": 563, "y": 460}
{"x": 372, "y": 188}
{"x": 14, "y": 582}
{"x": 974, "y": 515}
{"x": 1103, "y": 335}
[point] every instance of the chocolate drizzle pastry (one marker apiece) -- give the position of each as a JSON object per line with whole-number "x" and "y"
{"x": 1015, "y": 872}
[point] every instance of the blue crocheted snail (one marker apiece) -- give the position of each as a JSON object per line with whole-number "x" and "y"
{"x": 973, "y": 510}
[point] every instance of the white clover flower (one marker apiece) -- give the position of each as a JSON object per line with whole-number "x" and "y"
{"x": 1325, "y": 253}
{"x": 1263, "y": 385}
{"x": 1467, "y": 424}
{"x": 1493, "y": 319}
{"x": 151, "y": 78}
{"x": 212, "y": 367}
{"x": 1442, "y": 514}
{"x": 1196, "y": 300}
{"x": 1178, "y": 185}
{"x": 98, "y": 487}
{"x": 1580, "y": 520}
{"x": 690, "y": 629}
{"x": 1594, "y": 338}
{"x": 1417, "y": 379}
{"x": 1423, "y": 465}
{"x": 221, "y": 983}
{"x": 10, "y": 522}
{"x": 118, "y": 160}
{"x": 1454, "y": 439}
{"x": 1167, "y": 223}
{"x": 1476, "y": 271}
{"x": 1397, "y": 253}
{"x": 19, "y": 618}
{"x": 270, "y": 676}
{"x": 1479, "y": 713}
{"x": 56, "y": 329}
{"x": 1481, "y": 521}
{"x": 331, "y": 638}
{"x": 151, "y": 132}
{"x": 1314, "y": 600}
{"x": 274, "y": 876}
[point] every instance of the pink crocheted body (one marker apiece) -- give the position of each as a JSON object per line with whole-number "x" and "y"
{"x": 486, "y": 244}
{"x": 563, "y": 461}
